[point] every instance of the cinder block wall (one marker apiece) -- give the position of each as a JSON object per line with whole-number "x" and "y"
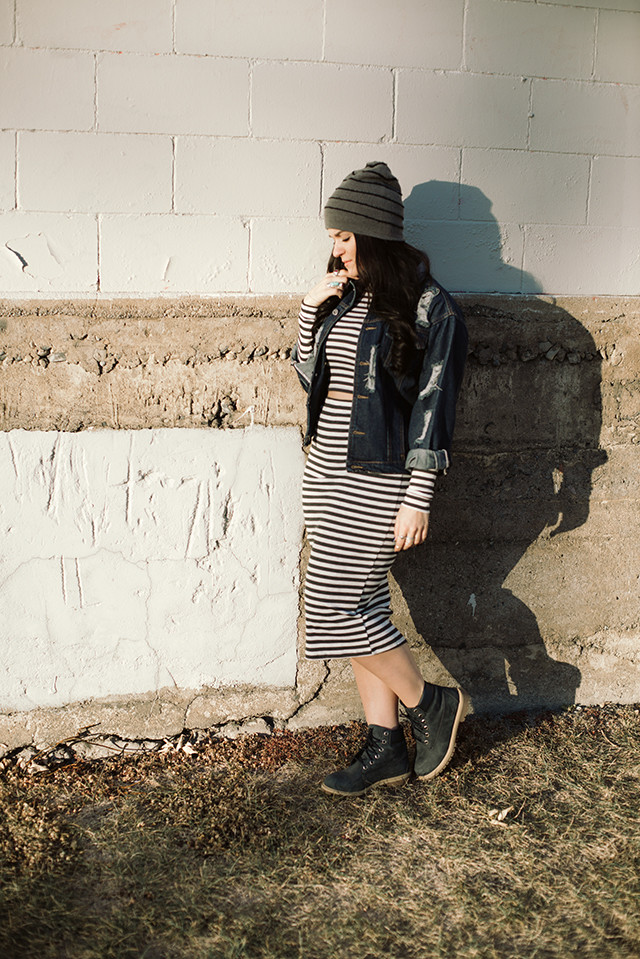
{"x": 186, "y": 146}
{"x": 163, "y": 167}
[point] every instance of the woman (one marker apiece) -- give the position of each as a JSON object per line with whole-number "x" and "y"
{"x": 381, "y": 352}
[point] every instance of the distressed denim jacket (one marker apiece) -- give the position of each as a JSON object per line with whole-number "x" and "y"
{"x": 398, "y": 423}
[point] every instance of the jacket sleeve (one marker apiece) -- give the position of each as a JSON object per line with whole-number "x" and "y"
{"x": 433, "y": 414}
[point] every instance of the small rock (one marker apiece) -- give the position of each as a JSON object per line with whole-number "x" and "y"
{"x": 573, "y": 358}
{"x": 24, "y": 757}
{"x": 552, "y": 353}
{"x": 544, "y": 346}
{"x": 57, "y": 357}
{"x": 94, "y": 750}
{"x": 526, "y": 354}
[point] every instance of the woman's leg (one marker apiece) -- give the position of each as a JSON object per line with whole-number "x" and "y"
{"x": 384, "y": 678}
{"x": 380, "y": 703}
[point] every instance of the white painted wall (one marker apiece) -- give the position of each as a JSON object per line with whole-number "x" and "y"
{"x": 187, "y": 146}
{"x": 136, "y": 560}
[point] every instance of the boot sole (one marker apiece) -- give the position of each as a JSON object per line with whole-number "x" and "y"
{"x": 394, "y": 781}
{"x": 461, "y": 714}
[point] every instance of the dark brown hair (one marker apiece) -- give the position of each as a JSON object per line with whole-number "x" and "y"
{"x": 394, "y": 273}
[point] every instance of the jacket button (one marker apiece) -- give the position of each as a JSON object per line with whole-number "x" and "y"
{"x": 334, "y": 313}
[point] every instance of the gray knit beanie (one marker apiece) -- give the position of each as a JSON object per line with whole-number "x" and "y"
{"x": 368, "y": 202}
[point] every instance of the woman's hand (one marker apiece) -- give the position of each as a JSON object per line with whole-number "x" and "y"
{"x": 411, "y": 528}
{"x": 331, "y": 285}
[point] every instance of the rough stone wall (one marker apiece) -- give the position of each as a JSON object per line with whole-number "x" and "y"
{"x": 526, "y": 591}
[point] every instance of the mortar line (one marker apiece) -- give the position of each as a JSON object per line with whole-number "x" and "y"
{"x": 250, "y": 99}
{"x": 15, "y": 171}
{"x": 324, "y": 31}
{"x": 596, "y": 30}
{"x": 459, "y": 190}
{"x": 95, "y": 92}
{"x": 530, "y": 115}
{"x": 15, "y": 23}
{"x": 394, "y": 104}
{"x": 321, "y": 185}
{"x": 248, "y": 226}
{"x": 589, "y": 182}
{"x": 173, "y": 27}
{"x": 98, "y": 251}
{"x": 463, "y": 57}
{"x": 174, "y": 140}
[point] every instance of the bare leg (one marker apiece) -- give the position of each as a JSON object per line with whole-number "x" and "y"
{"x": 379, "y": 701}
{"x": 384, "y": 678}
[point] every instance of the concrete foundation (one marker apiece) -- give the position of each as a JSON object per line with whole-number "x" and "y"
{"x": 526, "y": 591}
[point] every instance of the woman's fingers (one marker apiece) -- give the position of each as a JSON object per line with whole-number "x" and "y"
{"x": 332, "y": 284}
{"x": 411, "y": 528}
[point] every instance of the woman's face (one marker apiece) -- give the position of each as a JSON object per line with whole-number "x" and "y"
{"x": 344, "y": 247}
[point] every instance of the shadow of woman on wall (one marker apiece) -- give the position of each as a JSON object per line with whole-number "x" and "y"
{"x": 526, "y": 444}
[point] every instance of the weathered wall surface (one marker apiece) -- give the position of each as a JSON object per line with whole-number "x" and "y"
{"x": 163, "y": 168}
{"x": 182, "y": 146}
{"x": 149, "y": 577}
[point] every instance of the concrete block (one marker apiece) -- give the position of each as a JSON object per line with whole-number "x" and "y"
{"x": 247, "y": 177}
{"x": 47, "y": 253}
{"x": 587, "y": 118}
{"x": 277, "y": 30}
{"x": 525, "y": 187}
{"x": 615, "y": 191}
{"x": 414, "y": 33}
{"x": 141, "y": 26}
{"x": 190, "y": 254}
{"x": 631, "y": 5}
{"x": 7, "y": 17}
{"x": 46, "y": 89}
{"x": 529, "y": 39}
{"x": 584, "y": 259}
{"x": 618, "y": 48}
{"x": 287, "y": 255}
{"x": 168, "y": 94}
{"x": 428, "y": 175}
{"x": 462, "y": 110}
{"x": 309, "y": 101}
{"x": 7, "y": 170}
{"x": 170, "y": 564}
{"x": 95, "y": 172}
{"x": 474, "y": 257}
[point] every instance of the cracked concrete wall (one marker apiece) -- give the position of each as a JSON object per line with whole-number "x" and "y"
{"x": 128, "y": 599}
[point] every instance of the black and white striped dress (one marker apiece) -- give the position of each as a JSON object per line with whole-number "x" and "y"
{"x": 349, "y": 517}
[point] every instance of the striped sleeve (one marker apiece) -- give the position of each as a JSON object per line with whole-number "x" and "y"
{"x": 420, "y": 490}
{"x": 305, "y": 324}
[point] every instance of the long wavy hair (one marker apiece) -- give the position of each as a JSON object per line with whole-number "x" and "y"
{"x": 394, "y": 273}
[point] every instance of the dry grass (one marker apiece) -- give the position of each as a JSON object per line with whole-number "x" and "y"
{"x": 526, "y": 848}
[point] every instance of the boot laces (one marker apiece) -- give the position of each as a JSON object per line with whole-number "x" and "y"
{"x": 371, "y": 751}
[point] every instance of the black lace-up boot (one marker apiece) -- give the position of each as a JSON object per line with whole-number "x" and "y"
{"x": 382, "y": 760}
{"x": 435, "y": 727}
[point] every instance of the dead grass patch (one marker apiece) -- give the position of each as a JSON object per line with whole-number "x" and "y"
{"x": 526, "y": 847}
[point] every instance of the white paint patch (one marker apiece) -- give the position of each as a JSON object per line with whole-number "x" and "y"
{"x": 134, "y": 560}
{"x": 36, "y": 256}
{"x": 472, "y": 603}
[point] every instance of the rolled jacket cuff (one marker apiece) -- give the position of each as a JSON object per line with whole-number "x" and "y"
{"x": 419, "y": 459}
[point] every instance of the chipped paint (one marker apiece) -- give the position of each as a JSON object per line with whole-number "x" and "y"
{"x": 107, "y": 541}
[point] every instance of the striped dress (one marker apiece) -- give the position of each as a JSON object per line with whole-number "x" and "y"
{"x": 349, "y": 516}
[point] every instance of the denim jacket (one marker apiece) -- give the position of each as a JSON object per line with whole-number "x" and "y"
{"x": 398, "y": 423}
